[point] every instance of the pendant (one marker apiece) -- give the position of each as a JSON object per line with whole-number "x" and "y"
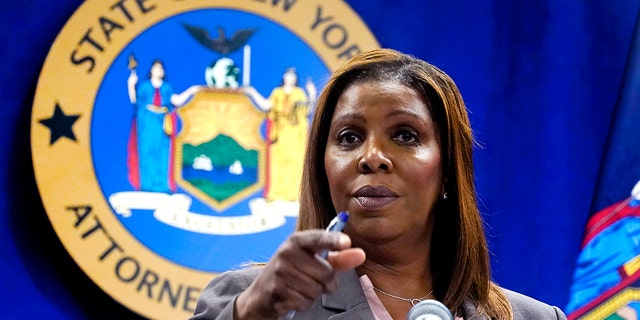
{"x": 415, "y": 301}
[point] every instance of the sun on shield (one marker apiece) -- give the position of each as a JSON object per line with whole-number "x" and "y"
{"x": 221, "y": 147}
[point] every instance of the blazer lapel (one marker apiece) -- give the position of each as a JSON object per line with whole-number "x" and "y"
{"x": 359, "y": 312}
{"x": 348, "y": 300}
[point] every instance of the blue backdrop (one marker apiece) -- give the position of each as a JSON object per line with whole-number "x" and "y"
{"x": 541, "y": 79}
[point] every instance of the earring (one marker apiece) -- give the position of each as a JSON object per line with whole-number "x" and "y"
{"x": 444, "y": 196}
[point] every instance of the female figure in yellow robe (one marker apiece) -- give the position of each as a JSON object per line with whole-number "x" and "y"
{"x": 288, "y": 108}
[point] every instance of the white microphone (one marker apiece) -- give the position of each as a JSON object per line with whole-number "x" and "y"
{"x": 429, "y": 310}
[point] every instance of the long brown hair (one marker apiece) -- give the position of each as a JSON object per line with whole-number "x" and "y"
{"x": 460, "y": 260}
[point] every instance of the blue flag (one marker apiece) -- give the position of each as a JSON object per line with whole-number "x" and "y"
{"x": 606, "y": 282}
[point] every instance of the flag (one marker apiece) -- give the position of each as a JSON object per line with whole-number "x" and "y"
{"x": 606, "y": 281}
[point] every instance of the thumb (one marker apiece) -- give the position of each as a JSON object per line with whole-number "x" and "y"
{"x": 346, "y": 259}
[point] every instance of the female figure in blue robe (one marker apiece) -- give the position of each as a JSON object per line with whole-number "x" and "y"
{"x": 154, "y": 100}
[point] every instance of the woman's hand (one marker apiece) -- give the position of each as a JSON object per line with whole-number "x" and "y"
{"x": 260, "y": 102}
{"x": 133, "y": 78}
{"x": 296, "y": 275}
{"x": 131, "y": 86}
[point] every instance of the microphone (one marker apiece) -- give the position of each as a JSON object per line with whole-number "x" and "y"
{"x": 429, "y": 310}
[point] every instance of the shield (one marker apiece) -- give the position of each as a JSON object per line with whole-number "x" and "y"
{"x": 221, "y": 148}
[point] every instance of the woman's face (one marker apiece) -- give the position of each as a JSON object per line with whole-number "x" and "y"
{"x": 383, "y": 161}
{"x": 157, "y": 71}
{"x": 289, "y": 78}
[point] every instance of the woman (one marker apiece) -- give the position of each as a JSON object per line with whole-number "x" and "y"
{"x": 150, "y": 154}
{"x": 390, "y": 143}
{"x": 288, "y": 108}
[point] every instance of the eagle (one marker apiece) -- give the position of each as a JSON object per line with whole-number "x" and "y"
{"x": 221, "y": 44}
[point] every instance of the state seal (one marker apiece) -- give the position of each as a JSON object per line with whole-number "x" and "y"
{"x": 167, "y": 136}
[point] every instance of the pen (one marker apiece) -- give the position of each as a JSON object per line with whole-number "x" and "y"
{"x": 336, "y": 225}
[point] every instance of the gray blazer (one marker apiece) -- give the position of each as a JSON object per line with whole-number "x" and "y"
{"x": 346, "y": 303}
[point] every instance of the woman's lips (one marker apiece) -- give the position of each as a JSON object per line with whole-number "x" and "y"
{"x": 371, "y": 197}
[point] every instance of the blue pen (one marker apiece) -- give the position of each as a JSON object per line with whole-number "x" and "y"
{"x": 336, "y": 225}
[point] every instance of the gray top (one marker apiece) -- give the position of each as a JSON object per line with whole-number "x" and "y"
{"x": 347, "y": 302}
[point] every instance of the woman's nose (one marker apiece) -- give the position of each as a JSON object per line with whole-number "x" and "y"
{"x": 374, "y": 158}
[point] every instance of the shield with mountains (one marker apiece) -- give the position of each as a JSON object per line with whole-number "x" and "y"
{"x": 221, "y": 148}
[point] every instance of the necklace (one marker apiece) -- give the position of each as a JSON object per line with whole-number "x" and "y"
{"x": 413, "y": 301}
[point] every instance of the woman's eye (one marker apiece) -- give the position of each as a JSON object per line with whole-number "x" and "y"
{"x": 406, "y": 137}
{"x": 348, "y": 138}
